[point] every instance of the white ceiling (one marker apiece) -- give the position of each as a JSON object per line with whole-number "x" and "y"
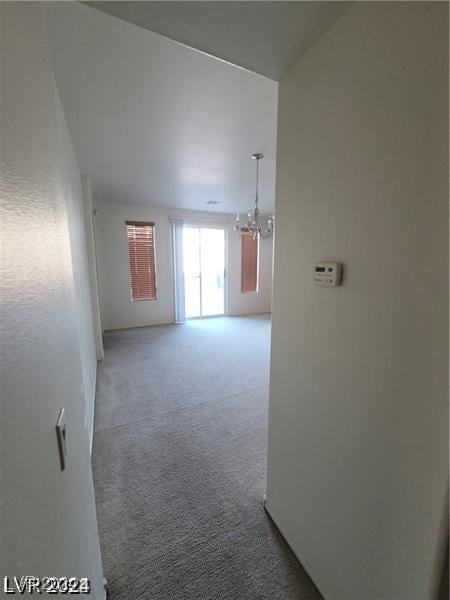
{"x": 155, "y": 122}
{"x": 264, "y": 37}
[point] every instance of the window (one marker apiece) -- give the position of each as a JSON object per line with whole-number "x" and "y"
{"x": 249, "y": 263}
{"x": 141, "y": 251}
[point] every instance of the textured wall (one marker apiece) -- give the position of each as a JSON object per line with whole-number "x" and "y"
{"x": 358, "y": 426}
{"x": 48, "y": 521}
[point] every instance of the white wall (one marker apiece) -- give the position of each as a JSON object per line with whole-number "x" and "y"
{"x": 92, "y": 264}
{"x": 48, "y": 519}
{"x": 72, "y": 191}
{"x": 117, "y": 309}
{"x": 358, "y": 449}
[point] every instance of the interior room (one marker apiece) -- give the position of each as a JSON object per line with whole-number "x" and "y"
{"x": 225, "y": 299}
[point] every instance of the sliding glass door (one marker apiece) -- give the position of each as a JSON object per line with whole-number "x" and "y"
{"x": 204, "y": 270}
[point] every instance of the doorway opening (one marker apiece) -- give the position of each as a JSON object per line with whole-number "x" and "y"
{"x": 204, "y": 271}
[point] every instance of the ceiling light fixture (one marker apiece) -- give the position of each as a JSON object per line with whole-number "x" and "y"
{"x": 252, "y": 225}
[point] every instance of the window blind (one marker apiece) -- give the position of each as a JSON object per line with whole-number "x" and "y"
{"x": 249, "y": 262}
{"x": 141, "y": 251}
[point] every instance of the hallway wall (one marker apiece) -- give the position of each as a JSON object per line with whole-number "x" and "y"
{"x": 118, "y": 310}
{"x": 72, "y": 192}
{"x": 48, "y": 519}
{"x": 358, "y": 425}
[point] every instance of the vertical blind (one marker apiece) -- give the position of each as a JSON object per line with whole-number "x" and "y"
{"x": 141, "y": 251}
{"x": 249, "y": 262}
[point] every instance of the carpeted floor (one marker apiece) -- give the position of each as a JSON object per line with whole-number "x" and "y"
{"x": 179, "y": 466}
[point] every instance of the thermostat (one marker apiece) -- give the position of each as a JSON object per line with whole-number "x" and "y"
{"x": 328, "y": 274}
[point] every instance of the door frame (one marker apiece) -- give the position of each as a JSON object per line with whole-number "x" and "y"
{"x": 214, "y": 225}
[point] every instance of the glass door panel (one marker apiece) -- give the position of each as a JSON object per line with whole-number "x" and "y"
{"x": 212, "y": 265}
{"x": 204, "y": 264}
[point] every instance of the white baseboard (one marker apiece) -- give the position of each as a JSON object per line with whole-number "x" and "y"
{"x": 91, "y": 424}
{"x": 112, "y": 329}
{"x": 250, "y": 314}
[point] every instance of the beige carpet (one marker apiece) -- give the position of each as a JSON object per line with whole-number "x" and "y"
{"x": 179, "y": 466}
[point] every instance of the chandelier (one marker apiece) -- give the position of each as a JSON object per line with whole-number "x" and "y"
{"x": 253, "y": 225}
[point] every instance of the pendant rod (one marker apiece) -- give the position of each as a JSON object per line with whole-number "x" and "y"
{"x": 257, "y": 156}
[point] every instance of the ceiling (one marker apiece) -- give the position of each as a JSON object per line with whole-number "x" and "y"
{"x": 156, "y": 122}
{"x": 263, "y": 37}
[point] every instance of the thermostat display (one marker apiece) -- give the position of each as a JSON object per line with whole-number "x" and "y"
{"x": 328, "y": 274}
